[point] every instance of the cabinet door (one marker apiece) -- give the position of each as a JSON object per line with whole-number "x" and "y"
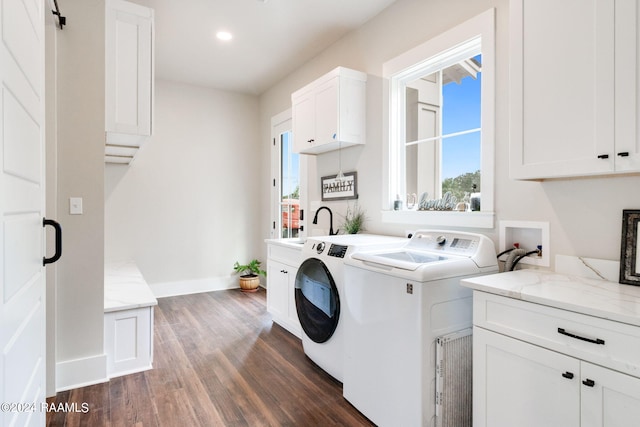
{"x": 562, "y": 88}
{"x": 609, "y": 398}
{"x": 277, "y": 290}
{"x": 519, "y": 384}
{"x": 292, "y": 311}
{"x": 627, "y": 86}
{"x": 128, "y": 44}
{"x": 326, "y": 107}
{"x": 303, "y": 127}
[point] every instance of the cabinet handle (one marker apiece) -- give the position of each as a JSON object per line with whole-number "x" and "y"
{"x": 624, "y": 154}
{"x": 578, "y": 337}
{"x": 603, "y": 156}
{"x": 310, "y": 141}
{"x": 589, "y": 383}
{"x": 568, "y": 375}
{"x": 284, "y": 271}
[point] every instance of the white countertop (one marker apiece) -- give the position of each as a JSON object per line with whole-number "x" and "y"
{"x": 595, "y": 297}
{"x": 125, "y": 288}
{"x": 294, "y": 243}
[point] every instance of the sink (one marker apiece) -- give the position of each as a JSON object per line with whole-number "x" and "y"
{"x": 296, "y": 242}
{"x": 293, "y": 241}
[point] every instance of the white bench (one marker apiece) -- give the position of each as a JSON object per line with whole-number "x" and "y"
{"x": 128, "y": 319}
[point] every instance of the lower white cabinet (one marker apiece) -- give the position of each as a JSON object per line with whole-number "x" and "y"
{"x": 282, "y": 267}
{"x": 128, "y": 341}
{"x": 517, "y": 383}
{"x": 612, "y": 400}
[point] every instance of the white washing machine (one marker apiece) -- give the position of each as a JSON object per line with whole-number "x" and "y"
{"x": 396, "y": 304}
{"x": 319, "y": 293}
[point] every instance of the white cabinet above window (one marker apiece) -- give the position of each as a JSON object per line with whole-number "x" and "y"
{"x": 574, "y": 94}
{"x": 329, "y": 113}
{"x": 128, "y": 78}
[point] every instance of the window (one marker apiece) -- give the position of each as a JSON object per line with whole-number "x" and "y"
{"x": 286, "y": 181}
{"x": 441, "y": 129}
{"x": 289, "y": 187}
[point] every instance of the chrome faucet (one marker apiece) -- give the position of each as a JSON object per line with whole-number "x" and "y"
{"x": 315, "y": 220}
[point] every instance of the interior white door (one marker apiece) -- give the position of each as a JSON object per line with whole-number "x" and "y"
{"x": 22, "y": 291}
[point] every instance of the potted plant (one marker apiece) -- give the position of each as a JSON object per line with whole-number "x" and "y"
{"x": 354, "y": 220}
{"x": 249, "y": 275}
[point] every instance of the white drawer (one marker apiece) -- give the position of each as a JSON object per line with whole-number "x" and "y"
{"x": 601, "y": 341}
{"x": 289, "y": 256}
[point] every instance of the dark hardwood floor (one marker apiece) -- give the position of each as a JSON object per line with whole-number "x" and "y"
{"x": 218, "y": 361}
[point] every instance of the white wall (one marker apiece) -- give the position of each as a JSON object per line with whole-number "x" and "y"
{"x": 584, "y": 214}
{"x": 188, "y": 206}
{"x": 80, "y": 173}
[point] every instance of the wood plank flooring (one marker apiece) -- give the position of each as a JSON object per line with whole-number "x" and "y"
{"x": 218, "y": 361}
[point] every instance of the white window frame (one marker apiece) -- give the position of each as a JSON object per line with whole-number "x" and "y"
{"x": 454, "y": 44}
{"x": 279, "y": 123}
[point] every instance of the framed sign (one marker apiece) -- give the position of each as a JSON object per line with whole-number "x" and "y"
{"x": 629, "y": 260}
{"x": 332, "y": 189}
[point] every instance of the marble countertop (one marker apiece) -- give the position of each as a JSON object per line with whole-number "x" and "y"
{"x": 294, "y": 243}
{"x": 125, "y": 288}
{"x": 595, "y": 297}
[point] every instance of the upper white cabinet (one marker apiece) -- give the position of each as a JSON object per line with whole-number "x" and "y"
{"x": 128, "y": 78}
{"x": 330, "y": 112}
{"x": 574, "y": 91}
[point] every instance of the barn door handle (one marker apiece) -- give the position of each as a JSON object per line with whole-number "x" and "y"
{"x": 58, "y": 229}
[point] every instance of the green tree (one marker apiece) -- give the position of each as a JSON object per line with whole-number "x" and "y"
{"x": 295, "y": 194}
{"x": 462, "y": 184}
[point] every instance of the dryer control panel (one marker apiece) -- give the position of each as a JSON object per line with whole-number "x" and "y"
{"x": 337, "y": 251}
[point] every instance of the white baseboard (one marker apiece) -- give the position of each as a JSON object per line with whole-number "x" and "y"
{"x": 185, "y": 287}
{"x": 81, "y": 372}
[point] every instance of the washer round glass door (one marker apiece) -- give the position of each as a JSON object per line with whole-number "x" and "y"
{"x": 317, "y": 301}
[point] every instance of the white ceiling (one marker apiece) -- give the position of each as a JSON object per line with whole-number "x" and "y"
{"x": 271, "y": 39}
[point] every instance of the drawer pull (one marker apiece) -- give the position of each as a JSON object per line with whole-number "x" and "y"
{"x": 568, "y": 375}
{"x": 578, "y": 337}
{"x": 603, "y": 156}
{"x": 589, "y": 383}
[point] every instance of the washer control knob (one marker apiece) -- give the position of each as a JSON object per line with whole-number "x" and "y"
{"x": 320, "y": 247}
{"x": 441, "y": 240}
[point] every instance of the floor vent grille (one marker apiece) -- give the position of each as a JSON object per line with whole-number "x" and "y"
{"x": 454, "y": 379}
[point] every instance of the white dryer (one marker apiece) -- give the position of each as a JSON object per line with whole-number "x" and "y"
{"x": 319, "y": 294}
{"x": 396, "y": 304}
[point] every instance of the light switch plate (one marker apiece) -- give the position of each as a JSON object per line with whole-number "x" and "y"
{"x": 75, "y": 205}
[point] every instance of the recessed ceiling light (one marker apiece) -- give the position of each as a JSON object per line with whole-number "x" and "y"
{"x": 224, "y": 35}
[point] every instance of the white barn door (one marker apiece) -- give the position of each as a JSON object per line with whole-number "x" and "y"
{"x": 22, "y": 291}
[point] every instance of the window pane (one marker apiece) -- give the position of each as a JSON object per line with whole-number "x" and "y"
{"x": 461, "y": 96}
{"x": 461, "y": 164}
{"x": 423, "y": 108}
{"x": 439, "y": 107}
{"x": 289, "y": 187}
